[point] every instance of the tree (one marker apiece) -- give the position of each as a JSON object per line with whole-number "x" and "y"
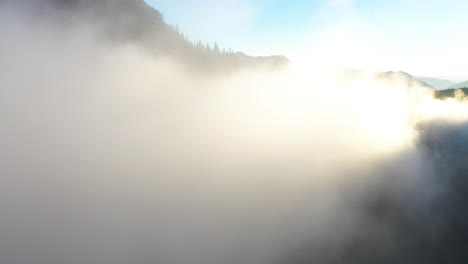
{"x": 208, "y": 48}
{"x": 216, "y": 48}
{"x": 200, "y": 46}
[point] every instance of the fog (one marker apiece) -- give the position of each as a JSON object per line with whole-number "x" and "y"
{"x": 112, "y": 155}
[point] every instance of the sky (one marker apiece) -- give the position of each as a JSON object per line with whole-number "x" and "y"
{"x": 425, "y": 38}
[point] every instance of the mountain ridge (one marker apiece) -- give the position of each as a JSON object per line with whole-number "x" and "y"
{"x": 404, "y": 76}
{"x": 136, "y": 22}
{"x": 459, "y": 85}
{"x": 439, "y": 84}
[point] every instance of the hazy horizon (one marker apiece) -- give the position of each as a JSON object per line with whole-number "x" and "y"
{"x": 419, "y": 37}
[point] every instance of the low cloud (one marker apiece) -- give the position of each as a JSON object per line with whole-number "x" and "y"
{"x": 110, "y": 155}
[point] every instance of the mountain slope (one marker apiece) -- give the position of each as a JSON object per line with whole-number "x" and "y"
{"x": 403, "y": 76}
{"x": 438, "y": 84}
{"x": 459, "y": 85}
{"x": 133, "y": 21}
{"x": 452, "y": 93}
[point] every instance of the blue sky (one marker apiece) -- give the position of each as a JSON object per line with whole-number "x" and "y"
{"x": 247, "y": 25}
{"x": 422, "y": 37}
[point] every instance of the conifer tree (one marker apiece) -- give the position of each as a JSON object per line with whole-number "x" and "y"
{"x": 200, "y": 45}
{"x": 208, "y": 48}
{"x": 216, "y": 48}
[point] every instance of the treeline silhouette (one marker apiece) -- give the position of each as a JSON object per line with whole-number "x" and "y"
{"x": 451, "y": 93}
{"x": 215, "y": 49}
{"x": 135, "y": 22}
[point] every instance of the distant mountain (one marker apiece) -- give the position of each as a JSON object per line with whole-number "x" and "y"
{"x": 459, "y": 85}
{"x": 439, "y": 84}
{"x": 134, "y": 21}
{"x": 403, "y": 76}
